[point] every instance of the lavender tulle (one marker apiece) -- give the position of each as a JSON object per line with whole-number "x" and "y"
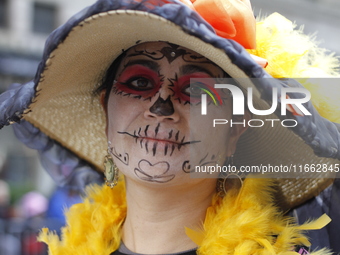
{"x": 14, "y": 101}
{"x": 64, "y": 166}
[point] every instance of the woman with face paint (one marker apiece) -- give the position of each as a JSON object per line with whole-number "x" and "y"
{"x": 148, "y": 109}
{"x": 119, "y": 97}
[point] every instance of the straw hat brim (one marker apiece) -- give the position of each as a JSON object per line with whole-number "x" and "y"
{"x": 66, "y": 109}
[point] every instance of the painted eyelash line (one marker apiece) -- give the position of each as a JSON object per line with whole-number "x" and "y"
{"x": 124, "y": 94}
{"x": 171, "y": 80}
{"x": 211, "y": 94}
{"x": 118, "y": 91}
{"x": 188, "y": 101}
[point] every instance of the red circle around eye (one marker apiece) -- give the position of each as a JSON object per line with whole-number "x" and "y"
{"x": 205, "y": 81}
{"x": 133, "y": 73}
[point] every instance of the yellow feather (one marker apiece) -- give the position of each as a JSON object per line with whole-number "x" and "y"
{"x": 94, "y": 226}
{"x": 316, "y": 224}
{"x": 196, "y": 236}
{"x": 292, "y": 54}
{"x": 244, "y": 222}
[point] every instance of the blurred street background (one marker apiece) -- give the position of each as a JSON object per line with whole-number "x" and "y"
{"x": 29, "y": 198}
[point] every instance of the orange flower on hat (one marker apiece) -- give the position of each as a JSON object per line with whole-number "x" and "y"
{"x": 231, "y": 19}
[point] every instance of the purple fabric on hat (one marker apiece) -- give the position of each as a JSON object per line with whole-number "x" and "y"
{"x": 62, "y": 164}
{"x": 14, "y": 101}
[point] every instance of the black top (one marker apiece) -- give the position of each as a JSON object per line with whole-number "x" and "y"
{"x": 191, "y": 252}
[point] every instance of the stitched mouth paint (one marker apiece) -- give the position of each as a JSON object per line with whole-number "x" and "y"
{"x": 152, "y": 141}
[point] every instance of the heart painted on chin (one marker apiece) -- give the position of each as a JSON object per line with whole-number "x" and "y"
{"x": 153, "y": 172}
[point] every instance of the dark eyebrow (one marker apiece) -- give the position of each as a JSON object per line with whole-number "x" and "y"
{"x": 189, "y": 69}
{"x": 147, "y": 63}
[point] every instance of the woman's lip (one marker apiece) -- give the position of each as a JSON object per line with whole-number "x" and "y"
{"x": 163, "y": 138}
{"x": 159, "y": 140}
{"x": 152, "y": 143}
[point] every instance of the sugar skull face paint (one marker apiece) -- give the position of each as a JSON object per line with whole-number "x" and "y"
{"x": 139, "y": 79}
{"x": 148, "y": 113}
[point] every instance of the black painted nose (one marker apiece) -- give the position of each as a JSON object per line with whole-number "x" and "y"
{"x": 162, "y": 107}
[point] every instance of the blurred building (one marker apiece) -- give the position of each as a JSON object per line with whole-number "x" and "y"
{"x": 24, "y": 26}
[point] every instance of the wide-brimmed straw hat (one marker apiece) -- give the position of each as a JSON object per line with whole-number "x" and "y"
{"x": 65, "y": 113}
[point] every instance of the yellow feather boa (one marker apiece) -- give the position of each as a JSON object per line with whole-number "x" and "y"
{"x": 245, "y": 221}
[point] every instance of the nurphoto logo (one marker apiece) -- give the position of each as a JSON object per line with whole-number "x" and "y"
{"x": 280, "y": 97}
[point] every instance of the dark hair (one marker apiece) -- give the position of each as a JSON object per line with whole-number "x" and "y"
{"x": 109, "y": 77}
